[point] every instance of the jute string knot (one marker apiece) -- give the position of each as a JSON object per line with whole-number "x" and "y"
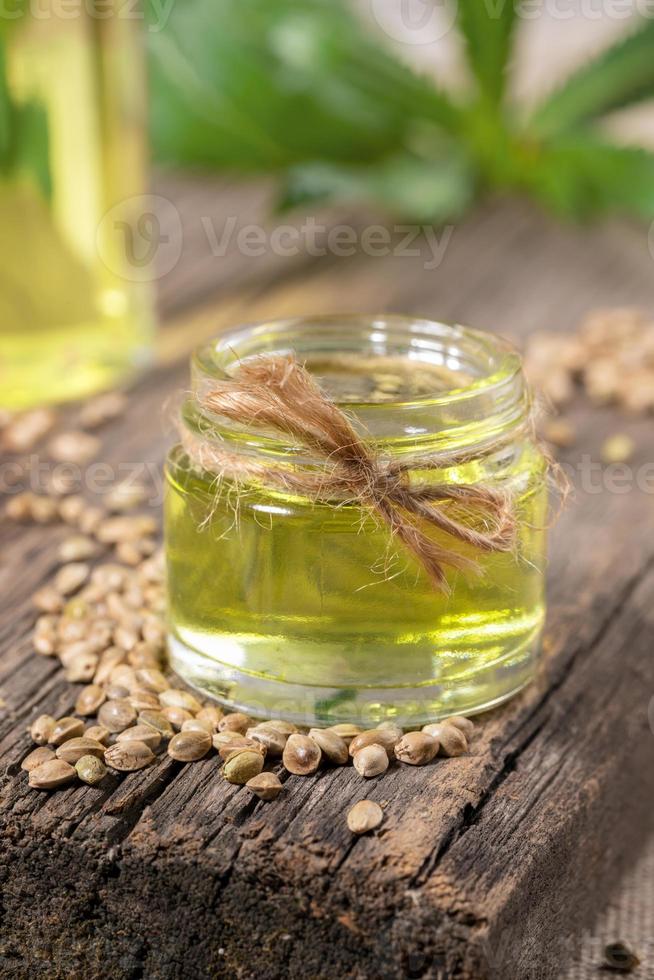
{"x": 277, "y": 392}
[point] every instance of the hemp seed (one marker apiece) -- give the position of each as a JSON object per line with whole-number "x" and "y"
{"x": 108, "y": 660}
{"x": 242, "y": 765}
{"x": 125, "y": 496}
{"x": 66, "y": 728}
{"x": 51, "y": 775}
{"x": 274, "y": 741}
{"x": 116, "y": 692}
{"x": 113, "y": 530}
{"x": 77, "y": 548}
{"x": 143, "y": 701}
{"x": 346, "y": 731}
{"x": 81, "y": 669}
{"x": 228, "y": 742}
{"x": 128, "y": 756}
{"x": 463, "y": 724}
{"x": 103, "y": 408}
{"x": 90, "y": 769}
{"x": 73, "y": 447}
{"x": 116, "y": 715}
{"x": 129, "y": 553}
{"x": 278, "y": 725}
{"x": 19, "y": 508}
{"x": 99, "y": 733}
{"x": 158, "y": 721}
{"x": 71, "y": 577}
{"x": 386, "y": 737}
{"x": 41, "y": 729}
{"x": 37, "y": 757}
{"x": 175, "y": 698}
{"x": 560, "y": 432}
{"x": 143, "y": 655}
{"x": 44, "y": 509}
{"x": 189, "y": 746}
{"x": 109, "y": 577}
{"x": 125, "y": 638}
{"x": 71, "y": 508}
{"x": 416, "y": 748}
{"x": 152, "y": 680}
{"x": 371, "y": 760}
{"x": 141, "y": 733}
{"x": 69, "y": 653}
{"x": 44, "y": 644}
{"x": 193, "y": 725}
{"x": 48, "y": 600}
{"x": 176, "y": 716}
{"x": 235, "y": 722}
{"x": 25, "y": 430}
{"x": 451, "y": 741}
{"x": 89, "y": 520}
{"x": 266, "y": 786}
{"x": 364, "y": 816}
{"x": 45, "y": 637}
{"x": 211, "y": 715}
{"x": 332, "y": 746}
{"x": 74, "y": 748}
{"x": 301, "y": 755}
{"x": 89, "y": 700}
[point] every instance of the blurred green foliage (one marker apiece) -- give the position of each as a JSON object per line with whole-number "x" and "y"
{"x": 24, "y": 139}
{"x": 304, "y": 89}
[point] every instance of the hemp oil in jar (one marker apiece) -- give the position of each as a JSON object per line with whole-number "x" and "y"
{"x": 284, "y": 605}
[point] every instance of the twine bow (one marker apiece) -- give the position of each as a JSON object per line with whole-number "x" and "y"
{"x": 277, "y": 392}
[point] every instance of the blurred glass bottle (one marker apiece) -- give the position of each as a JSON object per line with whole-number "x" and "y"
{"x": 75, "y": 305}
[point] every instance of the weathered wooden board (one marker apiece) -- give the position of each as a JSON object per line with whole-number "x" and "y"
{"x": 485, "y": 865}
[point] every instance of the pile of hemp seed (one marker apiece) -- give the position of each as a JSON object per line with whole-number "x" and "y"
{"x": 102, "y": 617}
{"x": 610, "y": 358}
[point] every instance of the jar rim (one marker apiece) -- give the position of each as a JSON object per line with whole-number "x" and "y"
{"x": 495, "y": 398}
{"x": 215, "y": 358}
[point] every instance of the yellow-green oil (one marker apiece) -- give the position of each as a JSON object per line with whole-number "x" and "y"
{"x": 72, "y": 317}
{"x": 310, "y": 611}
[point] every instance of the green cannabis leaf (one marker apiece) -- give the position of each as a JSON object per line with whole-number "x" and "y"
{"x": 620, "y": 76}
{"x": 303, "y": 89}
{"x": 268, "y": 83}
{"x": 487, "y": 27}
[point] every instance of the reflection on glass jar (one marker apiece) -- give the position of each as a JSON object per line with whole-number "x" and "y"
{"x": 74, "y": 305}
{"x": 312, "y": 611}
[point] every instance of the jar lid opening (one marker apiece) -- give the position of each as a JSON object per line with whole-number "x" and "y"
{"x": 403, "y": 380}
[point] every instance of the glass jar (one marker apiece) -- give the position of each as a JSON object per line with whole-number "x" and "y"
{"x": 285, "y": 606}
{"x": 75, "y": 313}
